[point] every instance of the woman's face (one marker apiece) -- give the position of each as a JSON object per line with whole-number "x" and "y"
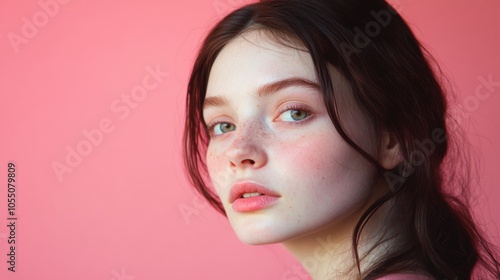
{"x": 271, "y": 127}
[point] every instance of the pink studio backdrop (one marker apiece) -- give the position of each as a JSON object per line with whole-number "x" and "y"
{"x": 123, "y": 209}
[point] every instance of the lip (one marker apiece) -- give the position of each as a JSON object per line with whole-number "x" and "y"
{"x": 238, "y": 189}
{"x": 254, "y": 203}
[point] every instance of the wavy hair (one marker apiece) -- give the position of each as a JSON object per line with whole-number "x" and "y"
{"x": 396, "y": 83}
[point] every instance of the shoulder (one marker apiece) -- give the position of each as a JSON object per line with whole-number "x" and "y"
{"x": 405, "y": 276}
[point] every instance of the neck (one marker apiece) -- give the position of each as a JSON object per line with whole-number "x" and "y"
{"x": 328, "y": 253}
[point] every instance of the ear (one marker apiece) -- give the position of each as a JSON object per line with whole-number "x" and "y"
{"x": 389, "y": 151}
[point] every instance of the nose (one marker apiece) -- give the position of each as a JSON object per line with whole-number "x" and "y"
{"x": 247, "y": 148}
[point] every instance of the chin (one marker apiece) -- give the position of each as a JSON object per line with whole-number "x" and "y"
{"x": 255, "y": 235}
{"x": 258, "y": 240}
{"x": 270, "y": 234}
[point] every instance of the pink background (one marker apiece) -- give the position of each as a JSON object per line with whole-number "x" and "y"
{"x": 125, "y": 211}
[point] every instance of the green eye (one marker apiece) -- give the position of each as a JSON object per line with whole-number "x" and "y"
{"x": 220, "y": 128}
{"x": 297, "y": 115}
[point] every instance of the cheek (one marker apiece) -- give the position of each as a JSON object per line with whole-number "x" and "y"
{"x": 311, "y": 155}
{"x": 324, "y": 168}
{"x": 215, "y": 169}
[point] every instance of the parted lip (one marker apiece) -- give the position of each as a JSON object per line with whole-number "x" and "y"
{"x": 242, "y": 187}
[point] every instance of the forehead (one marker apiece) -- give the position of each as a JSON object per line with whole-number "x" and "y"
{"x": 253, "y": 59}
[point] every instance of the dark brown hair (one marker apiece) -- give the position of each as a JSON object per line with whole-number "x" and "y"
{"x": 395, "y": 85}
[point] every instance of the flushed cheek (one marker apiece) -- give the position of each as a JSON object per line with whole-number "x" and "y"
{"x": 310, "y": 156}
{"x": 322, "y": 171}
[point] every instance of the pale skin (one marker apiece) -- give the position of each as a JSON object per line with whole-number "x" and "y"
{"x": 284, "y": 139}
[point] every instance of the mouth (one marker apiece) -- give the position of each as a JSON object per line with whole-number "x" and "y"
{"x": 248, "y": 189}
{"x": 245, "y": 195}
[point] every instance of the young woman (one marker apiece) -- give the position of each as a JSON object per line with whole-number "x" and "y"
{"x": 321, "y": 125}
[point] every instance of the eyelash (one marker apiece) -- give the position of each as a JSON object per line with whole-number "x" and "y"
{"x": 295, "y": 107}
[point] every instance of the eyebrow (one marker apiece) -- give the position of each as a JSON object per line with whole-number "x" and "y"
{"x": 264, "y": 90}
